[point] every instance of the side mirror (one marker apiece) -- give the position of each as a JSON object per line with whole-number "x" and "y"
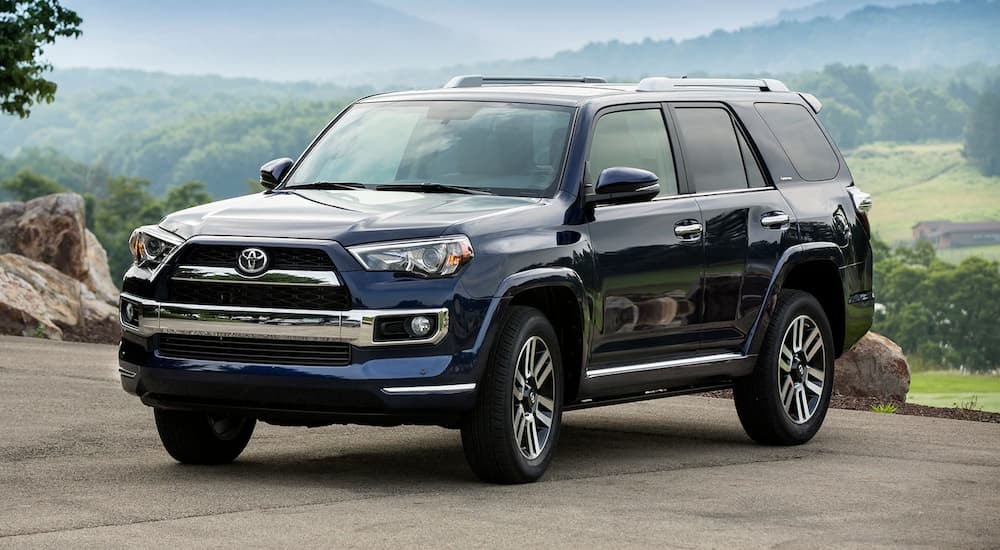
{"x": 620, "y": 184}
{"x": 272, "y": 172}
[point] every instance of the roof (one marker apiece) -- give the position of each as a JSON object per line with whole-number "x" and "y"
{"x": 575, "y": 91}
{"x": 574, "y": 94}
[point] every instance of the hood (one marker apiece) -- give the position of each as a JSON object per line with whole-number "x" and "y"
{"x": 350, "y": 217}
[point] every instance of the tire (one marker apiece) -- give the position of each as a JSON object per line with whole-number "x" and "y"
{"x": 198, "y": 438}
{"x": 782, "y": 402}
{"x": 505, "y": 437}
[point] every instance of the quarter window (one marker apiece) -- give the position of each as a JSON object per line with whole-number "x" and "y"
{"x": 801, "y": 138}
{"x": 716, "y": 155}
{"x": 634, "y": 139}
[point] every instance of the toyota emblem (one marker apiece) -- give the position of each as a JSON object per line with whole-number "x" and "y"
{"x": 252, "y": 261}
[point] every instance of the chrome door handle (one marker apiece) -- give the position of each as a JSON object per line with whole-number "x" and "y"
{"x": 774, "y": 220}
{"x": 688, "y": 230}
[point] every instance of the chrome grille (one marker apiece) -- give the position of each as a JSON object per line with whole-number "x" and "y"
{"x": 255, "y": 350}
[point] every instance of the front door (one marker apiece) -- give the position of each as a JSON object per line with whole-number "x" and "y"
{"x": 648, "y": 255}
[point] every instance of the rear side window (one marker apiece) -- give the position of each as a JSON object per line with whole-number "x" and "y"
{"x": 634, "y": 139}
{"x": 800, "y": 136}
{"x": 715, "y": 157}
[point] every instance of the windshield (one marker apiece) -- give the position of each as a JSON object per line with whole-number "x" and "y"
{"x": 500, "y": 148}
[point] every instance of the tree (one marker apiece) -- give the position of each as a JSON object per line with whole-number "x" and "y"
{"x": 26, "y": 185}
{"x": 982, "y": 136}
{"x": 186, "y": 195}
{"x": 25, "y": 27}
{"x": 128, "y": 205}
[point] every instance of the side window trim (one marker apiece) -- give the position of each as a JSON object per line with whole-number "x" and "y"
{"x": 740, "y": 130}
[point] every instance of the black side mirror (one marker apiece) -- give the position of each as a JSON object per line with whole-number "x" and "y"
{"x": 272, "y": 172}
{"x": 620, "y": 184}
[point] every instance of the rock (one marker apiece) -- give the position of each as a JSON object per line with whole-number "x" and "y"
{"x": 52, "y": 230}
{"x": 98, "y": 278}
{"x": 874, "y": 367}
{"x": 59, "y": 293}
{"x": 98, "y": 321}
{"x": 22, "y": 309}
{"x": 54, "y": 276}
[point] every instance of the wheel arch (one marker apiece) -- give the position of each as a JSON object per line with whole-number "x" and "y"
{"x": 813, "y": 268}
{"x": 560, "y": 295}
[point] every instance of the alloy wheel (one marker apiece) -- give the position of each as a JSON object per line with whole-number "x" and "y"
{"x": 801, "y": 369}
{"x": 533, "y": 401}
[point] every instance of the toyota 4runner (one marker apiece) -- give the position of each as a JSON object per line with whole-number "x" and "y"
{"x": 494, "y": 253}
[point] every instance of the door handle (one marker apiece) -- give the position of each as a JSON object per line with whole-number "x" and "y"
{"x": 688, "y": 230}
{"x": 775, "y": 220}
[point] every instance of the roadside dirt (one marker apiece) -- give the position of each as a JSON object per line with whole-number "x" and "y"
{"x": 911, "y": 409}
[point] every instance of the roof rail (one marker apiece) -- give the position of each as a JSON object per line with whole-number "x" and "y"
{"x": 476, "y": 80}
{"x": 664, "y": 84}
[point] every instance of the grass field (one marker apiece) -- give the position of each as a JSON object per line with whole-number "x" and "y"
{"x": 949, "y": 388}
{"x": 910, "y": 183}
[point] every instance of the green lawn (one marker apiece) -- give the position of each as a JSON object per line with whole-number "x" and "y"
{"x": 948, "y": 388}
{"x": 917, "y": 182}
{"x": 956, "y": 255}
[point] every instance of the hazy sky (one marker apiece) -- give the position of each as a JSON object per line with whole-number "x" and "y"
{"x": 327, "y": 39}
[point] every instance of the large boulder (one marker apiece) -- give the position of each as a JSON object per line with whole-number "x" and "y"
{"x": 874, "y": 367}
{"x": 52, "y": 230}
{"x": 54, "y": 276}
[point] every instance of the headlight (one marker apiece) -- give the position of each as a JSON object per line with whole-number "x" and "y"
{"x": 151, "y": 245}
{"x": 425, "y": 258}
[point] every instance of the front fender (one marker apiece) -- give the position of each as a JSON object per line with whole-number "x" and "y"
{"x": 517, "y": 283}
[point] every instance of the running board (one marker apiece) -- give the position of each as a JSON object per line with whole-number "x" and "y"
{"x": 644, "y": 396}
{"x": 686, "y": 362}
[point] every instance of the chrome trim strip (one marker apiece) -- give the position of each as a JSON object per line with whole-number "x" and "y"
{"x": 413, "y": 390}
{"x": 356, "y": 327}
{"x": 299, "y": 277}
{"x": 126, "y": 373}
{"x": 628, "y": 369}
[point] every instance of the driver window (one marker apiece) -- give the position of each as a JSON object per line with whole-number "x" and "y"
{"x": 636, "y": 139}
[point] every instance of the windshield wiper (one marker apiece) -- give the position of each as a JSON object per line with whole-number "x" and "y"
{"x": 337, "y": 185}
{"x": 432, "y": 187}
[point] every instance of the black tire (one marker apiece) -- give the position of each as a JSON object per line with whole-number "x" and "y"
{"x": 197, "y": 438}
{"x": 493, "y": 451}
{"x": 766, "y": 416}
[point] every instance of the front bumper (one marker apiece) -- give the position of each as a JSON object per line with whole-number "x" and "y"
{"x": 356, "y": 327}
{"x": 426, "y": 381}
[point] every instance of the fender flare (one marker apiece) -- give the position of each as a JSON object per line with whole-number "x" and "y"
{"x": 792, "y": 257}
{"x": 517, "y": 283}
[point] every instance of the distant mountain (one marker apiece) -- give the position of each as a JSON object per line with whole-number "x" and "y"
{"x": 293, "y": 40}
{"x": 913, "y": 36}
{"x": 837, "y": 8}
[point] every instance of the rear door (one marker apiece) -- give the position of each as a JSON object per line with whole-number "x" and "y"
{"x": 745, "y": 220}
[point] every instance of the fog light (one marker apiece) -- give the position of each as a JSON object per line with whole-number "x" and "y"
{"x": 130, "y": 313}
{"x": 420, "y": 326}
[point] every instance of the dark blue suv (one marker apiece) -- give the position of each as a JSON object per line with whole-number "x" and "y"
{"x": 488, "y": 255}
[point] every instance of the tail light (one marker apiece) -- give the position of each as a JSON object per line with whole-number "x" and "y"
{"x": 863, "y": 205}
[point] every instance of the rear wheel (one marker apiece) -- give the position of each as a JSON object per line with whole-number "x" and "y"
{"x": 200, "y": 438}
{"x": 511, "y": 435}
{"x": 786, "y": 398}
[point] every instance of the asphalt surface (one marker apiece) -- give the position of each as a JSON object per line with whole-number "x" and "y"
{"x": 81, "y": 467}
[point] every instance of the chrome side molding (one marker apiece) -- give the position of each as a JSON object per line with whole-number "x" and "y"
{"x": 417, "y": 390}
{"x": 685, "y": 362}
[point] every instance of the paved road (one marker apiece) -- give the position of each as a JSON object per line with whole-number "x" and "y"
{"x": 81, "y": 466}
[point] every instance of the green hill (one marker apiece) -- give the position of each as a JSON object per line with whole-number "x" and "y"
{"x": 910, "y": 183}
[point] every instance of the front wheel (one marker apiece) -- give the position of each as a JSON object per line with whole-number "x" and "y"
{"x": 786, "y": 398}
{"x": 199, "y": 438}
{"x": 511, "y": 435}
